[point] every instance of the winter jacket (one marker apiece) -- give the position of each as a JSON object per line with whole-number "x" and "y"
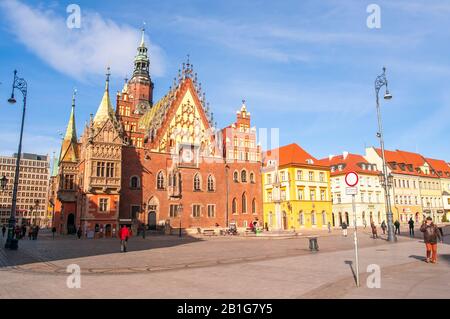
{"x": 344, "y": 226}
{"x": 431, "y": 233}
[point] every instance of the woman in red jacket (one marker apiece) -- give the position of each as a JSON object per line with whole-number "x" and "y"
{"x": 431, "y": 235}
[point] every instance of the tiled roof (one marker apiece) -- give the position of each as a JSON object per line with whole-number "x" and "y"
{"x": 350, "y": 162}
{"x": 441, "y": 167}
{"x": 407, "y": 163}
{"x": 290, "y": 154}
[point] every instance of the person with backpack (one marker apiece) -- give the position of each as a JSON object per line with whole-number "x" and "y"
{"x": 431, "y": 236}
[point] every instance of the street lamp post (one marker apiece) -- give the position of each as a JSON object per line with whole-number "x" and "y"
{"x": 36, "y": 208}
{"x": 20, "y": 84}
{"x": 379, "y": 83}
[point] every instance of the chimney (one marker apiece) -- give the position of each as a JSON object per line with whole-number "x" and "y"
{"x": 330, "y": 157}
{"x": 345, "y": 154}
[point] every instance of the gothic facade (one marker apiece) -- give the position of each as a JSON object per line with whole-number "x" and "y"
{"x": 163, "y": 164}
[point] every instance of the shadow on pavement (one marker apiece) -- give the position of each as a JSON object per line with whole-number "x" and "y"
{"x": 350, "y": 264}
{"x": 46, "y": 249}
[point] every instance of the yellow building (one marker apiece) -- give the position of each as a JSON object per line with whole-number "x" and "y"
{"x": 296, "y": 190}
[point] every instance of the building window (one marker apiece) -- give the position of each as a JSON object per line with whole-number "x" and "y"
{"x": 173, "y": 210}
{"x": 69, "y": 182}
{"x": 244, "y": 203}
{"x": 322, "y": 195}
{"x": 211, "y": 211}
{"x": 269, "y": 196}
{"x": 254, "y": 206}
{"x": 268, "y": 179}
{"x": 322, "y": 177}
{"x": 300, "y": 194}
{"x": 301, "y": 218}
{"x": 299, "y": 175}
{"x": 252, "y": 177}
{"x": 324, "y": 218}
{"x": 234, "y": 206}
{"x": 312, "y": 194}
{"x": 160, "y": 180}
{"x": 311, "y": 176}
{"x": 109, "y": 169}
{"x": 196, "y": 211}
{"x": 210, "y": 183}
{"x": 313, "y": 218}
{"x": 100, "y": 169}
{"x": 244, "y": 176}
{"x": 103, "y": 205}
{"x": 197, "y": 182}
{"x": 134, "y": 182}
{"x": 236, "y": 176}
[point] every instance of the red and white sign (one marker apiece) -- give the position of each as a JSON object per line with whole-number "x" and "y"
{"x": 351, "y": 179}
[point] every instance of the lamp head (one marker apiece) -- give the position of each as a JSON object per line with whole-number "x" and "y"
{"x": 387, "y": 95}
{"x": 12, "y": 99}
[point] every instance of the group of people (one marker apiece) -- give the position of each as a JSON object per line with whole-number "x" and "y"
{"x": 23, "y": 231}
{"x": 431, "y": 234}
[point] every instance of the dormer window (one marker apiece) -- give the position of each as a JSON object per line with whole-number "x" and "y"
{"x": 310, "y": 161}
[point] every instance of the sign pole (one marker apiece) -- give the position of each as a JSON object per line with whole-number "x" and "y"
{"x": 355, "y": 236}
{"x": 352, "y": 179}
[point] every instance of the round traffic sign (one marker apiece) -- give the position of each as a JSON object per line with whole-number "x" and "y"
{"x": 351, "y": 179}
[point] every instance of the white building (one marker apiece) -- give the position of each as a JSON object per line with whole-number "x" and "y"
{"x": 369, "y": 202}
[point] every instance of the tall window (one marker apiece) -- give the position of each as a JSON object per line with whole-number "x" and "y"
{"x": 312, "y": 194}
{"x": 100, "y": 169}
{"x": 322, "y": 195}
{"x": 313, "y": 217}
{"x": 254, "y": 206}
{"x": 244, "y": 176}
{"x": 210, "y": 183}
{"x": 299, "y": 175}
{"x": 109, "y": 169}
{"x": 103, "y": 205}
{"x": 300, "y": 194}
{"x": 321, "y": 177}
{"x": 197, "y": 182}
{"x": 234, "y": 206}
{"x": 195, "y": 210}
{"x": 324, "y": 218}
{"x": 301, "y": 218}
{"x": 211, "y": 211}
{"x": 160, "y": 180}
{"x": 311, "y": 176}
{"x": 252, "y": 177}
{"x": 236, "y": 177}
{"x": 69, "y": 182}
{"x": 244, "y": 203}
{"x": 173, "y": 210}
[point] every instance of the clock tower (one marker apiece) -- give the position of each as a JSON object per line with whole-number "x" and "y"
{"x": 136, "y": 97}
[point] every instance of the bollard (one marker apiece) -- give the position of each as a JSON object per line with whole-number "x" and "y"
{"x": 313, "y": 245}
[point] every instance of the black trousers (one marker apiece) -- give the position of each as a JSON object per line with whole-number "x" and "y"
{"x": 411, "y": 231}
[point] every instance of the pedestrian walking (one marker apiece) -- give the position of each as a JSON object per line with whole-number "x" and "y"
{"x": 30, "y": 232}
{"x": 431, "y": 235}
{"x": 53, "y": 232}
{"x": 397, "y": 227}
{"x": 383, "y": 227}
{"x": 17, "y": 232}
{"x": 79, "y": 232}
{"x": 124, "y": 233}
{"x": 24, "y": 231}
{"x": 344, "y": 229}
{"x": 411, "y": 227}
{"x": 329, "y": 227}
{"x": 3, "y": 231}
{"x": 374, "y": 230}
{"x": 364, "y": 223}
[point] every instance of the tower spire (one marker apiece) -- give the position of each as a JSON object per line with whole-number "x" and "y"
{"x": 71, "y": 132}
{"x": 141, "y": 60}
{"x": 105, "y": 109}
{"x": 69, "y": 150}
{"x": 143, "y": 35}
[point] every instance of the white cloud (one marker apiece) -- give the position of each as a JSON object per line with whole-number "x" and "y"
{"x": 79, "y": 53}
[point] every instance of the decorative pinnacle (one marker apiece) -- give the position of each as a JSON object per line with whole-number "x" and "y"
{"x": 73, "y": 97}
{"x": 143, "y": 34}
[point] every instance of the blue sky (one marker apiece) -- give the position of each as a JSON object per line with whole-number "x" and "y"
{"x": 305, "y": 67}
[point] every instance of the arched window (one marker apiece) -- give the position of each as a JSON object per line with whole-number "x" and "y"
{"x": 197, "y": 182}
{"x": 210, "y": 183}
{"x": 234, "y": 206}
{"x": 324, "y": 218}
{"x": 254, "y": 206}
{"x": 244, "y": 203}
{"x": 160, "y": 180}
{"x": 244, "y": 176}
{"x": 301, "y": 218}
{"x": 252, "y": 177}
{"x": 236, "y": 176}
{"x": 313, "y": 217}
{"x": 134, "y": 182}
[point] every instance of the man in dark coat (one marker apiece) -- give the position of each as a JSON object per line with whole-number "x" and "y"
{"x": 411, "y": 227}
{"x": 431, "y": 235}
